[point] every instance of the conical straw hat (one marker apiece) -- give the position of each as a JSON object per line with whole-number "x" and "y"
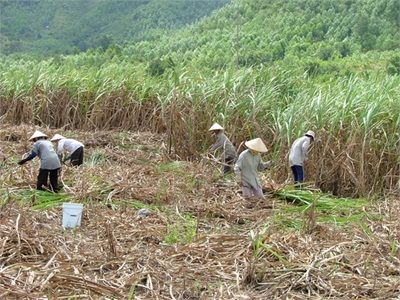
{"x": 57, "y": 137}
{"x": 37, "y": 134}
{"x": 256, "y": 145}
{"x": 310, "y": 133}
{"x": 216, "y": 126}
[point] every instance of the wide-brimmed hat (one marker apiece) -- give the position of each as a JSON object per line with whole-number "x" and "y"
{"x": 216, "y": 126}
{"x": 310, "y": 133}
{"x": 57, "y": 137}
{"x": 256, "y": 145}
{"x": 37, "y": 134}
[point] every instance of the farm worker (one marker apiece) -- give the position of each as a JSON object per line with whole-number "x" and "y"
{"x": 298, "y": 155}
{"x": 247, "y": 167}
{"x": 224, "y": 146}
{"x": 73, "y": 148}
{"x": 49, "y": 162}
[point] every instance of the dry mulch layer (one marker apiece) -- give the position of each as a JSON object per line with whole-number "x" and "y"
{"x": 200, "y": 239}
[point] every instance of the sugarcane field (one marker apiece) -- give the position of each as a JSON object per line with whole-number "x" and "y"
{"x": 199, "y": 150}
{"x": 154, "y": 226}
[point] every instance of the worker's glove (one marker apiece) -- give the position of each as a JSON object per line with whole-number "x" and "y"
{"x": 21, "y": 162}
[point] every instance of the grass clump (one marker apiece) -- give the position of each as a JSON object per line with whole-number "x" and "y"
{"x": 312, "y": 207}
{"x": 38, "y": 200}
{"x": 183, "y": 231}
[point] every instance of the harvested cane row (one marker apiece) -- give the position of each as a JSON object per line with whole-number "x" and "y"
{"x": 201, "y": 239}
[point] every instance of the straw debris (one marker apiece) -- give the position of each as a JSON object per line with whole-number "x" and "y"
{"x": 201, "y": 239}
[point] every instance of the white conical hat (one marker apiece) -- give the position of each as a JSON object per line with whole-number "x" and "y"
{"x": 256, "y": 145}
{"x": 57, "y": 137}
{"x": 216, "y": 126}
{"x": 37, "y": 134}
{"x": 310, "y": 133}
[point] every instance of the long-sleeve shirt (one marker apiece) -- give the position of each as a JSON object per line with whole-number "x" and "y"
{"x": 69, "y": 145}
{"x": 223, "y": 144}
{"x": 247, "y": 167}
{"x": 44, "y": 149}
{"x": 298, "y": 151}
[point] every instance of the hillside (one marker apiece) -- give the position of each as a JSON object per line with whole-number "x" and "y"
{"x": 44, "y": 27}
{"x": 253, "y": 32}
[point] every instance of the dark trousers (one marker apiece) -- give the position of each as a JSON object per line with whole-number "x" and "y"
{"x": 43, "y": 176}
{"x": 298, "y": 173}
{"x": 229, "y": 162}
{"x": 77, "y": 157}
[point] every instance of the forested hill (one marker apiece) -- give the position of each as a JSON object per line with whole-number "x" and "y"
{"x": 210, "y": 34}
{"x": 254, "y": 32}
{"x": 48, "y": 27}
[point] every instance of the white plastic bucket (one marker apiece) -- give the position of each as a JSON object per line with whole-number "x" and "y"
{"x": 72, "y": 213}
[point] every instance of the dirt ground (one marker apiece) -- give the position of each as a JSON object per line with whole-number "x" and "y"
{"x": 200, "y": 240}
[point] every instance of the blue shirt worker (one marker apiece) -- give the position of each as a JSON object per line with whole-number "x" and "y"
{"x": 298, "y": 155}
{"x": 224, "y": 145}
{"x": 49, "y": 162}
{"x": 247, "y": 168}
{"x": 73, "y": 148}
